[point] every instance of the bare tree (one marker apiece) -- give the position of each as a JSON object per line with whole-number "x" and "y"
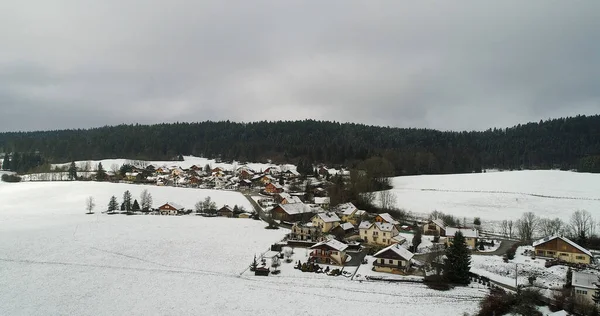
{"x": 435, "y": 257}
{"x": 114, "y": 168}
{"x": 551, "y": 227}
{"x": 387, "y": 199}
{"x": 527, "y": 225}
{"x": 510, "y": 225}
{"x": 146, "y": 199}
{"x": 89, "y": 205}
{"x": 581, "y": 224}
{"x": 504, "y": 228}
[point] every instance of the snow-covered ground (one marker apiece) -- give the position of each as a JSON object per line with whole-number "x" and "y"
{"x": 500, "y": 195}
{"x": 187, "y": 162}
{"x": 55, "y": 260}
{"x": 494, "y": 268}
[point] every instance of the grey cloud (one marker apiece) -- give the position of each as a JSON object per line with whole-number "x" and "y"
{"x": 467, "y": 65}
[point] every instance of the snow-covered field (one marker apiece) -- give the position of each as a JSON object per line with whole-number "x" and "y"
{"x": 187, "y": 162}
{"x": 500, "y": 195}
{"x": 55, "y": 260}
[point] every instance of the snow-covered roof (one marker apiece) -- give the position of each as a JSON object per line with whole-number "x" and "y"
{"x": 276, "y": 185}
{"x": 346, "y": 208}
{"x": 364, "y": 225}
{"x": 294, "y": 172}
{"x": 337, "y": 245}
{"x": 387, "y": 227}
{"x": 284, "y": 195}
{"x": 175, "y": 205}
{"x": 328, "y": 217}
{"x": 439, "y": 222}
{"x": 547, "y": 239}
{"x": 585, "y": 280}
{"x": 295, "y": 208}
{"x": 467, "y": 232}
{"x": 322, "y": 200}
{"x": 399, "y": 239}
{"x": 347, "y": 226}
{"x": 226, "y": 207}
{"x": 388, "y": 218}
{"x": 399, "y": 250}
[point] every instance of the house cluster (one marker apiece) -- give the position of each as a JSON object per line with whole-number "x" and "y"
{"x": 213, "y": 178}
{"x": 171, "y": 208}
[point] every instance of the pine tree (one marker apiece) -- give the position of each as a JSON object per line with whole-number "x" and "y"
{"x": 281, "y": 180}
{"x": 135, "y": 207}
{"x": 6, "y": 162}
{"x": 417, "y": 239}
{"x": 127, "y": 200}
{"x": 458, "y": 260}
{"x": 113, "y": 205}
{"x": 72, "y": 171}
{"x": 101, "y": 173}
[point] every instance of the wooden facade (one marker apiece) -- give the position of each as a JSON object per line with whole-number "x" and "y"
{"x": 562, "y": 249}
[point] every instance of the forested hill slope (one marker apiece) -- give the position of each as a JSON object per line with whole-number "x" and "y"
{"x": 565, "y": 143}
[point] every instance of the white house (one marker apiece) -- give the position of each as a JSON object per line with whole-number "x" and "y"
{"x": 378, "y": 233}
{"x": 584, "y": 286}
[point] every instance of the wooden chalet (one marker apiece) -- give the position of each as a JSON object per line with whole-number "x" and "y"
{"x": 273, "y": 188}
{"x": 393, "y": 259}
{"x": 329, "y": 252}
{"x": 170, "y": 208}
{"x": 293, "y": 212}
{"x": 563, "y": 249}
{"x": 225, "y": 211}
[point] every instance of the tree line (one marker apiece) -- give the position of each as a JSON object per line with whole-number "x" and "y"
{"x": 567, "y": 143}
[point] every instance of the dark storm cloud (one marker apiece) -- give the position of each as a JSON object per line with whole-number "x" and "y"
{"x": 445, "y": 65}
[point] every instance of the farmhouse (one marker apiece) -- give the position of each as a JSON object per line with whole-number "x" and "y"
{"x": 170, "y": 208}
{"x": 377, "y": 233}
{"x": 329, "y": 252}
{"x": 470, "y": 235}
{"x": 435, "y": 226}
{"x": 386, "y": 218}
{"x": 225, "y": 211}
{"x": 293, "y": 212}
{"x": 326, "y": 221}
{"x": 392, "y": 259}
{"x": 563, "y": 249}
{"x": 584, "y": 286}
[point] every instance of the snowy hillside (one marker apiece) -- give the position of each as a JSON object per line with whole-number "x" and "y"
{"x": 55, "y": 260}
{"x": 500, "y": 195}
{"x": 186, "y": 163}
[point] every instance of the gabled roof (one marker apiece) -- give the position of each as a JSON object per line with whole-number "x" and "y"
{"x": 174, "y": 205}
{"x": 568, "y": 241}
{"x": 276, "y": 185}
{"x": 347, "y": 226}
{"x": 227, "y": 208}
{"x": 328, "y": 217}
{"x": 346, "y": 209}
{"x": 396, "y": 249}
{"x": 364, "y": 225}
{"x": 467, "y": 232}
{"x": 439, "y": 222}
{"x": 294, "y": 172}
{"x": 585, "y": 280}
{"x": 332, "y": 243}
{"x": 386, "y": 227}
{"x": 295, "y": 208}
{"x": 388, "y": 218}
{"x": 284, "y": 195}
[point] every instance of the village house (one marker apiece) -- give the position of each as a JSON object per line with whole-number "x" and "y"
{"x": 305, "y": 232}
{"x": 392, "y": 259}
{"x": 349, "y": 213}
{"x": 245, "y": 174}
{"x": 435, "y": 226}
{"x": 329, "y": 252}
{"x": 386, "y": 218}
{"x": 273, "y": 170}
{"x": 225, "y": 211}
{"x": 584, "y": 286}
{"x": 471, "y": 235}
{"x": 245, "y": 215}
{"x": 323, "y": 202}
{"x": 245, "y": 184}
{"x": 563, "y": 249}
{"x": 266, "y": 179}
{"x": 378, "y": 233}
{"x": 292, "y": 212}
{"x": 323, "y": 171}
{"x": 291, "y": 174}
{"x": 326, "y": 221}
{"x": 170, "y": 208}
{"x": 273, "y": 188}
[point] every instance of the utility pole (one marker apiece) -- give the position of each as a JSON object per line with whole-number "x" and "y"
{"x": 516, "y": 276}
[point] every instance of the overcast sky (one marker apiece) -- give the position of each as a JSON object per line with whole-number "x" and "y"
{"x": 456, "y": 65}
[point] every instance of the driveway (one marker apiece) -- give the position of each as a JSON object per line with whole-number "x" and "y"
{"x": 504, "y": 246}
{"x": 357, "y": 257}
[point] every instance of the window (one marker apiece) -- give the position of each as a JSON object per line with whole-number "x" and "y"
{"x": 580, "y": 257}
{"x": 391, "y": 261}
{"x": 383, "y": 234}
{"x": 564, "y": 255}
{"x": 334, "y": 252}
{"x": 581, "y": 292}
{"x": 550, "y": 252}
{"x": 383, "y": 240}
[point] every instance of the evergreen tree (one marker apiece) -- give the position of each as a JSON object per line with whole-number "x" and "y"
{"x": 6, "y": 162}
{"x": 417, "y": 239}
{"x": 113, "y": 205}
{"x": 281, "y": 180}
{"x": 127, "y": 201}
{"x": 458, "y": 260}
{"x": 569, "y": 277}
{"x": 135, "y": 207}
{"x": 101, "y": 173}
{"x": 72, "y": 171}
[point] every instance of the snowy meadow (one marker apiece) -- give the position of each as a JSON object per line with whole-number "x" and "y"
{"x": 56, "y": 260}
